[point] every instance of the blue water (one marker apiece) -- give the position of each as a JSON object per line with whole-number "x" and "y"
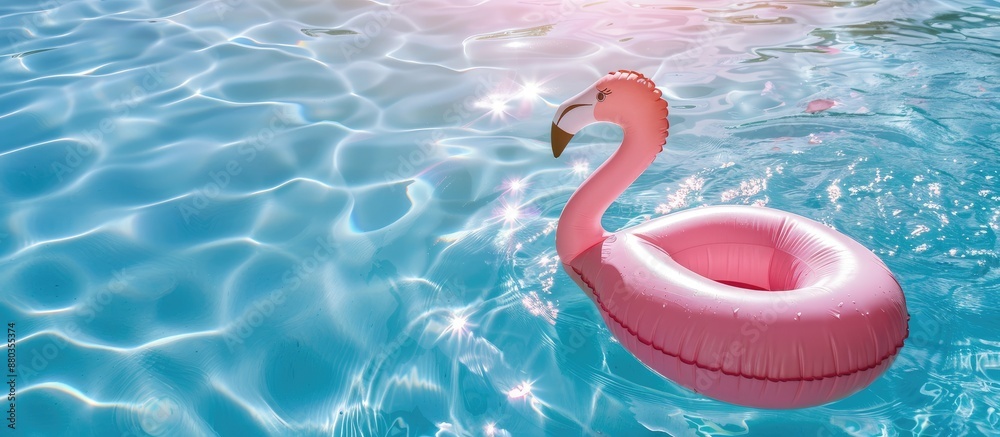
{"x": 294, "y": 217}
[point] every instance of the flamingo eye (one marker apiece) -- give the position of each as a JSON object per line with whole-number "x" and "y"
{"x": 601, "y": 96}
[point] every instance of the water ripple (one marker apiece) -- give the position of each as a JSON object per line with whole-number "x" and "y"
{"x": 309, "y": 218}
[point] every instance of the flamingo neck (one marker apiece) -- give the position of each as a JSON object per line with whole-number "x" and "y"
{"x": 580, "y": 223}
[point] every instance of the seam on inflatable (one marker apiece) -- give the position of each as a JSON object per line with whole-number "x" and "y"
{"x": 604, "y": 309}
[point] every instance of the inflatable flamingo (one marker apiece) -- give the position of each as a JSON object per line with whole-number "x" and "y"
{"x": 748, "y": 305}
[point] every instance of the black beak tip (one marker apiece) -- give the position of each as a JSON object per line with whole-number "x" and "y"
{"x": 560, "y": 139}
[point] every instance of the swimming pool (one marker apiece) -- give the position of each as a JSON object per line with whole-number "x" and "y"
{"x": 296, "y": 217}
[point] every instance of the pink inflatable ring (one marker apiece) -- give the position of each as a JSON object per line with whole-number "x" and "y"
{"x": 748, "y": 305}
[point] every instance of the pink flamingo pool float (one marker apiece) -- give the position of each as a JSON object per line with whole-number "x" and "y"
{"x": 748, "y": 305}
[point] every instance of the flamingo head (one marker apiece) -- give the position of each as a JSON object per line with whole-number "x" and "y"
{"x": 623, "y": 97}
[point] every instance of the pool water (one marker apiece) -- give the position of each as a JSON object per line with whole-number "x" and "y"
{"x": 290, "y": 217}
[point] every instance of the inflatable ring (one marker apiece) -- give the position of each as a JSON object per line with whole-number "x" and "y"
{"x": 749, "y": 305}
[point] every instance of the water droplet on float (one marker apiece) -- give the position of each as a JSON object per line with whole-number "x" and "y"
{"x": 736, "y": 310}
{"x": 840, "y": 305}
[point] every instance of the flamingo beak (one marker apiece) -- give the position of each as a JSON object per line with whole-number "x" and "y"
{"x": 560, "y": 139}
{"x": 573, "y": 115}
